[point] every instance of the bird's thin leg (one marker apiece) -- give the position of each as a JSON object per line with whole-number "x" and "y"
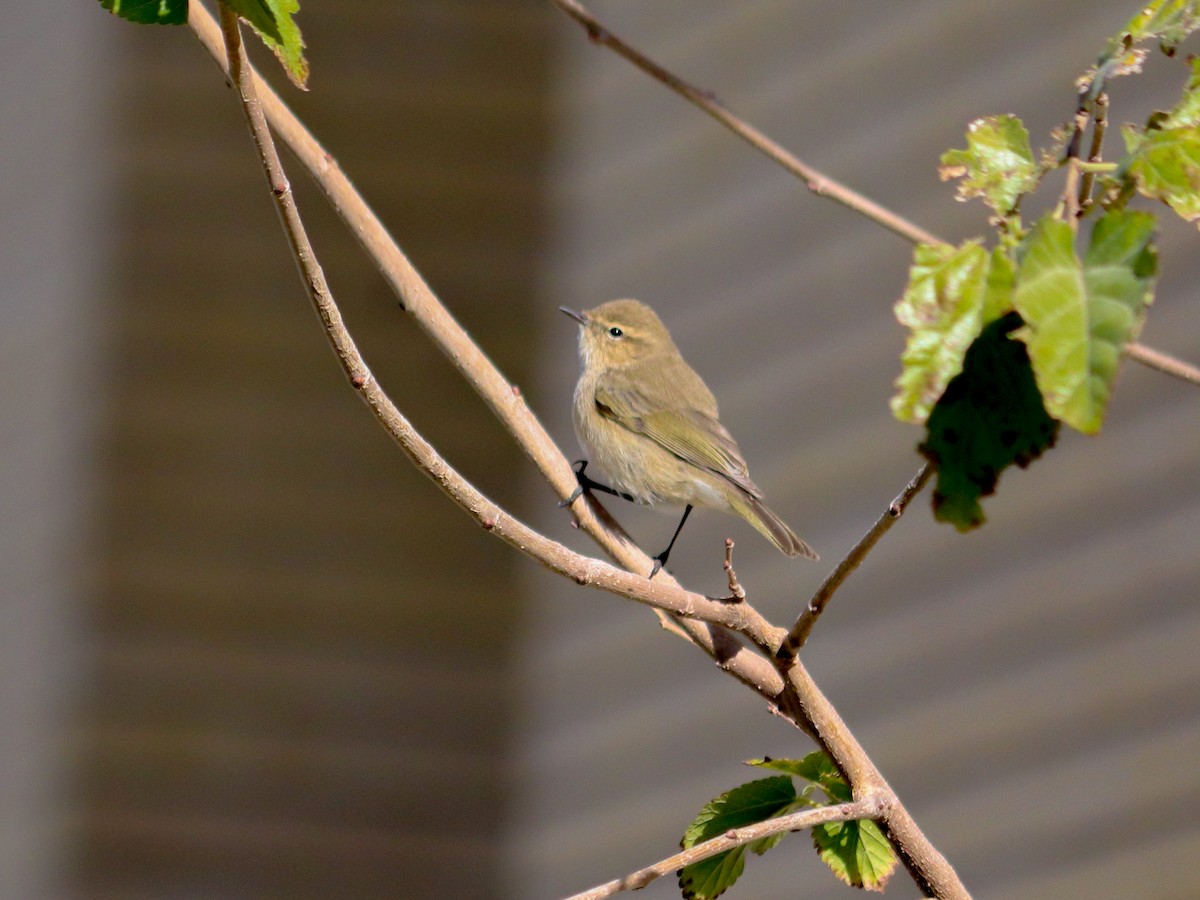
{"x": 585, "y": 484}
{"x": 661, "y": 559}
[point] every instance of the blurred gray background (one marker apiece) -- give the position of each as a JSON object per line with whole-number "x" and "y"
{"x": 247, "y": 651}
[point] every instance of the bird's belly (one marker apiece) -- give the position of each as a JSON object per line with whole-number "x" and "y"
{"x": 652, "y": 475}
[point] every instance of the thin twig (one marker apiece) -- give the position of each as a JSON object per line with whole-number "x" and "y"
{"x": 820, "y": 184}
{"x": 866, "y": 808}
{"x": 1156, "y": 359}
{"x": 807, "y": 619}
{"x": 737, "y": 593}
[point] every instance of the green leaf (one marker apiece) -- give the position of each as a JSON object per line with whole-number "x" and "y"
{"x": 1167, "y": 21}
{"x": 952, "y": 293}
{"x": 149, "y": 12}
{"x": 1166, "y": 167}
{"x": 1079, "y": 314}
{"x": 817, "y": 767}
{"x": 744, "y": 805}
{"x": 1187, "y": 111}
{"x": 857, "y": 852}
{"x": 274, "y": 20}
{"x": 990, "y": 416}
{"x": 997, "y": 165}
{"x": 1164, "y": 157}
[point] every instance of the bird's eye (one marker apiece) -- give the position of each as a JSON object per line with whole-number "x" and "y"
{"x": 615, "y": 332}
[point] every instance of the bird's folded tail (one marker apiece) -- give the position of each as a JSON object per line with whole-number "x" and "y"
{"x": 772, "y": 527}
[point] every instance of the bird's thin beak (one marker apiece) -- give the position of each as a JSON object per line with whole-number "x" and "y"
{"x": 577, "y": 316}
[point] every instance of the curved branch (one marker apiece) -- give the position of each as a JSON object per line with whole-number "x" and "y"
{"x": 503, "y": 398}
{"x": 740, "y": 617}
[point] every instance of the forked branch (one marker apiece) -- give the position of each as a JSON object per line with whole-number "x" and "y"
{"x": 797, "y": 697}
{"x": 739, "y": 617}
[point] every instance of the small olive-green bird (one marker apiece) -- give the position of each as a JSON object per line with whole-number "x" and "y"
{"x": 649, "y": 421}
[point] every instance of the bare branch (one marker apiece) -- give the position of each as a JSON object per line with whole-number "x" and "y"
{"x": 1156, "y": 359}
{"x": 817, "y": 182}
{"x": 804, "y": 624}
{"x": 866, "y": 808}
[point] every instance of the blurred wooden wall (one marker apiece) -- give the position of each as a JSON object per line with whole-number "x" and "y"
{"x": 298, "y": 680}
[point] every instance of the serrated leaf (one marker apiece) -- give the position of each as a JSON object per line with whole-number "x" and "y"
{"x": 1081, "y": 314}
{"x": 857, "y": 852}
{"x": 816, "y": 767}
{"x": 149, "y": 12}
{"x": 274, "y": 20}
{"x": 744, "y": 805}
{"x": 952, "y": 293}
{"x": 997, "y": 165}
{"x": 990, "y": 416}
{"x": 711, "y": 877}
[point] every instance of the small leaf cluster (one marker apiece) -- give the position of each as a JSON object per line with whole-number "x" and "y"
{"x": 1006, "y": 344}
{"x": 856, "y": 852}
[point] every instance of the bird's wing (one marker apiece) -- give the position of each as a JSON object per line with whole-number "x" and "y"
{"x": 692, "y": 435}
